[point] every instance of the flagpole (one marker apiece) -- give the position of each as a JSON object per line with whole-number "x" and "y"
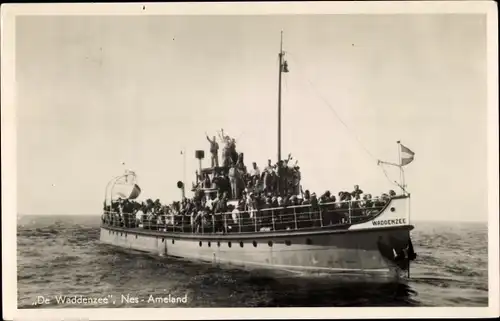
{"x": 184, "y": 166}
{"x": 183, "y": 190}
{"x": 401, "y": 176}
{"x": 279, "y": 96}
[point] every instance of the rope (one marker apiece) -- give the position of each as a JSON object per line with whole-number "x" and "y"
{"x": 387, "y": 176}
{"x": 333, "y": 110}
{"x": 340, "y": 119}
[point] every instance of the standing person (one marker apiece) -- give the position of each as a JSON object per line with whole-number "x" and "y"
{"x": 206, "y": 181}
{"x": 269, "y": 167}
{"x": 254, "y": 173}
{"x": 138, "y": 217}
{"x": 214, "y": 151}
{"x": 233, "y": 179}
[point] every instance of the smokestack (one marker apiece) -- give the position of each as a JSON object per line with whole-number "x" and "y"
{"x": 200, "y": 154}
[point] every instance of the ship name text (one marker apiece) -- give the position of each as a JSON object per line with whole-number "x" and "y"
{"x": 397, "y": 221}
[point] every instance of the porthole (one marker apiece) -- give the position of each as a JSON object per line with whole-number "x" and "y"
{"x": 200, "y": 243}
{"x": 241, "y": 244}
{"x": 270, "y": 243}
{"x": 288, "y": 243}
{"x": 309, "y": 241}
{"x": 254, "y": 244}
{"x": 393, "y": 209}
{"x": 173, "y": 241}
{"x": 229, "y": 244}
{"x": 218, "y": 244}
{"x": 209, "y": 244}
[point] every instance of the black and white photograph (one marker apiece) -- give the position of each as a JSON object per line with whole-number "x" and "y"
{"x": 250, "y": 155}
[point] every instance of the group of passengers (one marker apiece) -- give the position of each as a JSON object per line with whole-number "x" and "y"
{"x": 266, "y": 200}
{"x": 233, "y": 177}
{"x": 253, "y": 211}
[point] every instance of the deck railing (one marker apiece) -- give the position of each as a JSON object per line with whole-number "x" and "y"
{"x": 297, "y": 217}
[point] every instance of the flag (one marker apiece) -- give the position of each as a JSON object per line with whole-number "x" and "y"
{"x": 284, "y": 66}
{"x": 125, "y": 191}
{"x": 406, "y": 155}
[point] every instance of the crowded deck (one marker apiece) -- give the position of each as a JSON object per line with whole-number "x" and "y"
{"x": 222, "y": 218}
{"x": 232, "y": 199}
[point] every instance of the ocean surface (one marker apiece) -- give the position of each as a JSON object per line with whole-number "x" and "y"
{"x": 61, "y": 263}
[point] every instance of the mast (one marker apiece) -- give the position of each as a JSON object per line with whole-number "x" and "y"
{"x": 279, "y": 96}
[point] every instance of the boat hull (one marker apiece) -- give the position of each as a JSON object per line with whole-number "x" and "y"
{"x": 361, "y": 252}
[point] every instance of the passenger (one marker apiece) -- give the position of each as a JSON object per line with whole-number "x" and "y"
{"x": 314, "y": 200}
{"x": 377, "y": 203}
{"x": 209, "y": 202}
{"x": 240, "y": 164}
{"x": 222, "y": 203}
{"x": 274, "y": 201}
{"x": 149, "y": 219}
{"x": 198, "y": 216}
{"x": 138, "y": 217}
{"x": 280, "y": 201}
{"x": 247, "y": 189}
{"x": 281, "y": 172}
{"x": 235, "y": 214}
{"x": 392, "y": 193}
{"x": 206, "y": 181}
{"x": 214, "y": 219}
{"x": 214, "y": 151}
{"x": 307, "y": 198}
{"x": 269, "y": 167}
{"x": 227, "y": 161}
{"x": 255, "y": 204}
{"x": 357, "y": 192}
{"x": 258, "y": 188}
{"x": 254, "y": 173}
{"x": 269, "y": 202}
{"x": 160, "y": 222}
{"x": 268, "y": 181}
{"x": 368, "y": 204}
{"x": 233, "y": 179}
{"x": 325, "y": 198}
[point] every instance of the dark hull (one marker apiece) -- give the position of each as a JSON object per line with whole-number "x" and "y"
{"x": 335, "y": 252}
{"x": 372, "y": 248}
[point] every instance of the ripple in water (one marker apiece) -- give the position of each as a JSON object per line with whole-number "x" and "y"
{"x": 62, "y": 256}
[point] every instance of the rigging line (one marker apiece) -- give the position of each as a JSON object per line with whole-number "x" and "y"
{"x": 386, "y": 175}
{"x": 332, "y": 109}
{"x": 239, "y": 136}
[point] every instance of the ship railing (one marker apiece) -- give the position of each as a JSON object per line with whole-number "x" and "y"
{"x": 295, "y": 217}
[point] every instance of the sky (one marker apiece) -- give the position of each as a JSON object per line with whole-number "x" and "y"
{"x": 95, "y": 91}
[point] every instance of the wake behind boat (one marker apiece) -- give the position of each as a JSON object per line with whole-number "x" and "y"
{"x": 248, "y": 218}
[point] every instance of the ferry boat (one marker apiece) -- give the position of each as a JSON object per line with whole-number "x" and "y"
{"x": 354, "y": 237}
